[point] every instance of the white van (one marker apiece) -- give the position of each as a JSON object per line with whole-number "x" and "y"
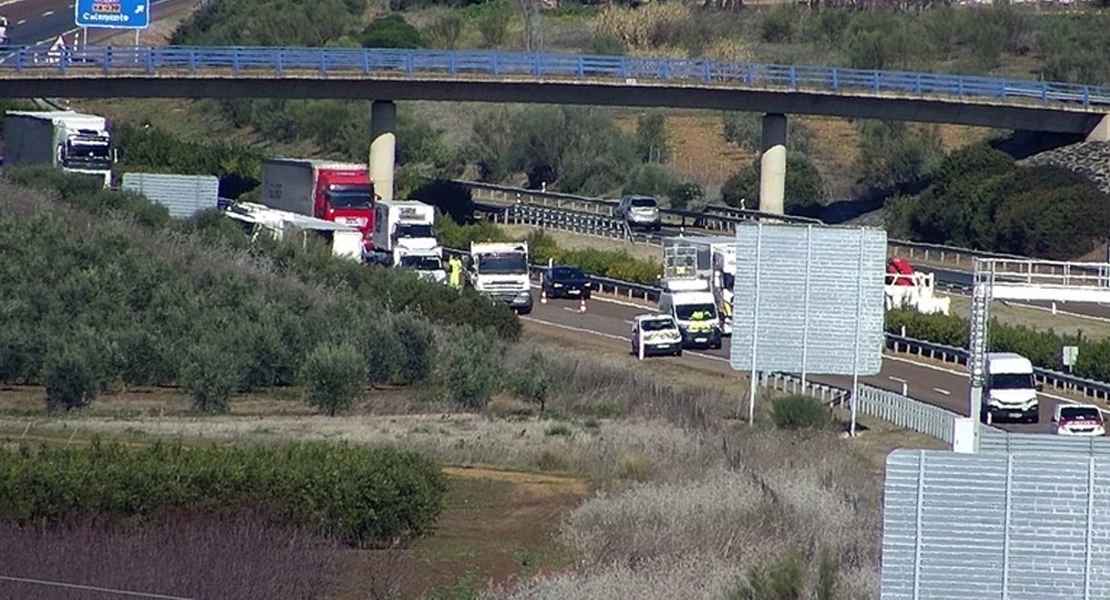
{"x": 1009, "y": 391}
{"x": 690, "y": 303}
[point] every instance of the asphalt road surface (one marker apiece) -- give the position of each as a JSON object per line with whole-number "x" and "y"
{"x": 944, "y": 386}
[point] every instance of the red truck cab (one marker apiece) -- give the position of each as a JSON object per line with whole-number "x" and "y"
{"x": 346, "y": 196}
{"x": 329, "y": 190}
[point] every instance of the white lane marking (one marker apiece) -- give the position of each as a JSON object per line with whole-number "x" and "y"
{"x": 898, "y": 379}
{"x": 940, "y": 391}
{"x": 21, "y": 21}
{"x": 48, "y": 13}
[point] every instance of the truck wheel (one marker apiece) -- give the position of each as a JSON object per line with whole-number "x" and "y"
{"x": 525, "y": 311}
{"x": 678, "y": 353}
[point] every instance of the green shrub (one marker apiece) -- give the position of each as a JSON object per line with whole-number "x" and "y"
{"x": 800, "y": 412}
{"x": 493, "y": 22}
{"x": 357, "y": 494}
{"x": 472, "y": 368}
{"x": 607, "y": 45}
{"x": 445, "y": 31}
{"x": 452, "y": 199}
{"x": 333, "y": 375}
{"x": 1041, "y": 347}
{"x": 532, "y": 381}
{"x": 70, "y": 380}
{"x": 784, "y": 580}
{"x": 804, "y": 191}
{"x": 417, "y": 349}
{"x": 391, "y": 31}
{"x": 211, "y": 371}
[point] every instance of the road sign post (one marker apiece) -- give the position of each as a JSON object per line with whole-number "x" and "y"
{"x": 816, "y": 302}
{"x": 112, "y": 14}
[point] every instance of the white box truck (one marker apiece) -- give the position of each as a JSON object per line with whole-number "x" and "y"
{"x": 712, "y": 258}
{"x": 74, "y": 142}
{"x": 404, "y": 237}
{"x": 500, "y": 271}
{"x": 401, "y": 226}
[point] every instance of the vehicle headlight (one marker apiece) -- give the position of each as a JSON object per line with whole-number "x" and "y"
{"x": 558, "y": 285}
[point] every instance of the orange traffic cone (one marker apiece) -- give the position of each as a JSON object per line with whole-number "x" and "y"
{"x": 581, "y": 305}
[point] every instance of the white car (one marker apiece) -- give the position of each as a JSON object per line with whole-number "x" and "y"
{"x": 640, "y": 211}
{"x": 1079, "y": 419}
{"x": 654, "y": 335}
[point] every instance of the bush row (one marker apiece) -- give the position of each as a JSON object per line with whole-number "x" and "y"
{"x": 1041, "y": 347}
{"x": 356, "y": 494}
{"x": 978, "y": 197}
{"x": 96, "y": 302}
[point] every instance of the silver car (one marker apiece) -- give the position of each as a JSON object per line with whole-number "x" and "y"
{"x": 639, "y": 211}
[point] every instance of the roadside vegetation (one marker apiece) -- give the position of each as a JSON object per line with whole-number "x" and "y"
{"x": 475, "y": 395}
{"x": 583, "y": 150}
{"x": 1041, "y": 347}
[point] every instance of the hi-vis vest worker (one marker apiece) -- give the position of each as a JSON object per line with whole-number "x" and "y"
{"x": 455, "y": 277}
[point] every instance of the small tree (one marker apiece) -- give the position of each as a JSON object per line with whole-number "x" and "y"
{"x": 493, "y": 23}
{"x": 471, "y": 371}
{"x": 651, "y": 138}
{"x": 682, "y": 195}
{"x": 333, "y": 375}
{"x": 381, "y": 351}
{"x": 390, "y": 31}
{"x": 532, "y": 381}
{"x": 804, "y": 188}
{"x": 418, "y": 344}
{"x": 212, "y": 370}
{"x": 71, "y": 381}
{"x": 445, "y": 31}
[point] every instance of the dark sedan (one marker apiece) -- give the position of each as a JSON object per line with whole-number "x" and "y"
{"x": 565, "y": 282}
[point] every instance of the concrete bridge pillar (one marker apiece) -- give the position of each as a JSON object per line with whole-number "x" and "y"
{"x": 1101, "y": 132}
{"x": 383, "y": 146}
{"x": 772, "y": 164}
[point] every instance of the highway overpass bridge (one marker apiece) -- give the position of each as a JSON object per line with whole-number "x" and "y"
{"x": 387, "y": 75}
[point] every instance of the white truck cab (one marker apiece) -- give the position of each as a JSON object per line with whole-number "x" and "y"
{"x": 428, "y": 263}
{"x": 1009, "y": 390}
{"x": 655, "y": 334}
{"x": 499, "y": 270}
{"x": 690, "y": 303}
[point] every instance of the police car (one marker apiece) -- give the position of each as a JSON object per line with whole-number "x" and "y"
{"x": 655, "y": 334}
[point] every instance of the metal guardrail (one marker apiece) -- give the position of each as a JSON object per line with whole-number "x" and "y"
{"x": 791, "y": 384}
{"x": 892, "y": 407}
{"x": 254, "y": 61}
{"x": 907, "y": 413}
{"x": 567, "y": 220}
{"x": 1055, "y": 379}
{"x": 713, "y": 218}
{"x": 493, "y": 199}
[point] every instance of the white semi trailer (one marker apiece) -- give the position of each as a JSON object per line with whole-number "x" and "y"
{"x": 74, "y": 142}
